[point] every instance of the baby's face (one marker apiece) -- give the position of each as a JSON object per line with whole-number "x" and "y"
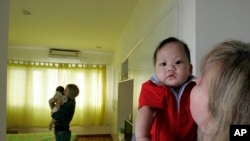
{"x": 172, "y": 67}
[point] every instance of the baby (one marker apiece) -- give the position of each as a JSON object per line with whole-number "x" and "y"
{"x": 56, "y": 101}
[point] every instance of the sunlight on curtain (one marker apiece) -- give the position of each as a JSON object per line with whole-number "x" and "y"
{"x": 31, "y": 84}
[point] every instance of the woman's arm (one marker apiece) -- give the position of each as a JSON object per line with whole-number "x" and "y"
{"x": 144, "y": 123}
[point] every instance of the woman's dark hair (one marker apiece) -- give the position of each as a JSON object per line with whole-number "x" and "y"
{"x": 173, "y": 40}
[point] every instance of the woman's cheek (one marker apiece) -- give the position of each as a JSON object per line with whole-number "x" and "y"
{"x": 199, "y": 106}
{"x": 193, "y": 103}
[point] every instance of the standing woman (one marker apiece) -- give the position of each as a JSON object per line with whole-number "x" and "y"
{"x": 65, "y": 114}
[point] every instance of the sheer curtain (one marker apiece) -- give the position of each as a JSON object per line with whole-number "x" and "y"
{"x": 31, "y": 84}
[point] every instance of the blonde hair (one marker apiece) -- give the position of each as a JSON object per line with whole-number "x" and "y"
{"x": 73, "y": 90}
{"x": 229, "y": 90}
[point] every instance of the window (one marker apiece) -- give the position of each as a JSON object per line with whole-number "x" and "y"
{"x": 31, "y": 84}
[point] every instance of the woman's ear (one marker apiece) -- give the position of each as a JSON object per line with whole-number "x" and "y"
{"x": 198, "y": 80}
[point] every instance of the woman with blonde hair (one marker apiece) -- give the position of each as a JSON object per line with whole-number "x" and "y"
{"x": 221, "y": 96}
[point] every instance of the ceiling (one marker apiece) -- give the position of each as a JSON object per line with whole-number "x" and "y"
{"x": 90, "y": 25}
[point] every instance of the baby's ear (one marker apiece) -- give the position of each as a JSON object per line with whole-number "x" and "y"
{"x": 191, "y": 69}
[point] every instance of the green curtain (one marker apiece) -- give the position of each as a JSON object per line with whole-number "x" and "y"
{"x": 31, "y": 84}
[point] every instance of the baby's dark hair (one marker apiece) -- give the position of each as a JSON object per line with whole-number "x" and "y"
{"x": 172, "y": 40}
{"x": 60, "y": 89}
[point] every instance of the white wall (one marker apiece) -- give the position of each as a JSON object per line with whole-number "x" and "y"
{"x": 187, "y": 22}
{"x": 204, "y": 23}
{"x": 145, "y": 17}
{"x": 217, "y": 20}
{"x": 42, "y": 54}
{"x": 4, "y": 19}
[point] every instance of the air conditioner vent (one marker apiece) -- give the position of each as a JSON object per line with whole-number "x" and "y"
{"x": 63, "y": 53}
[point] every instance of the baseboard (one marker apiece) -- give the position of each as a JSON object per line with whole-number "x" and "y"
{"x": 12, "y": 132}
{"x": 95, "y": 135}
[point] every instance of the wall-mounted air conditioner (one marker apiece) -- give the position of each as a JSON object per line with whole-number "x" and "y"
{"x": 63, "y": 53}
{"x": 65, "y": 56}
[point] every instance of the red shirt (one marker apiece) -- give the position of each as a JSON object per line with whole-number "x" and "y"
{"x": 172, "y": 122}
